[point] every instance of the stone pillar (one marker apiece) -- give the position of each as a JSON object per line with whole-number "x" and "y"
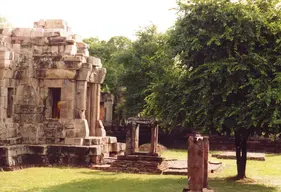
{"x": 195, "y": 164}
{"x": 88, "y": 108}
{"x": 80, "y": 99}
{"x": 154, "y": 139}
{"x": 93, "y": 115}
{"x": 96, "y": 78}
{"x": 128, "y": 150}
{"x": 198, "y": 151}
{"x": 97, "y": 128}
{"x": 135, "y": 134}
{"x": 132, "y": 138}
{"x": 95, "y": 107}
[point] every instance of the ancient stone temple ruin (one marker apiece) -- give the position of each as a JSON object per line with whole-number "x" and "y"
{"x": 49, "y": 98}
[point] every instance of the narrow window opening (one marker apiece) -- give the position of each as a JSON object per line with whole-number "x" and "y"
{"x": 55, "y": 94}
{"x": 10, "y": 102}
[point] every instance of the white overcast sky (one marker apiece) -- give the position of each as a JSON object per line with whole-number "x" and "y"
{"x": 93, "y": 18}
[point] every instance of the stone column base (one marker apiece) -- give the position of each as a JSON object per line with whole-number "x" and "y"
{"x": 100, "y": 131}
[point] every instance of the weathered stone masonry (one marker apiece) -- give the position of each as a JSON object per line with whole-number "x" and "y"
{"x": 49, "y": 94}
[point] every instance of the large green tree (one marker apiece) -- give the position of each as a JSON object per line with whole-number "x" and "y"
{"x": 144, "y": 64}
{"x": 228, "y": 54}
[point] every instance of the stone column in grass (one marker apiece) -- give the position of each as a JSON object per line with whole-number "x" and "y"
{"x": 195, "y": 163}
{"x": 198, "y": 149}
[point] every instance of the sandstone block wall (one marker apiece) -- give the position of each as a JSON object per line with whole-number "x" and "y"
{"x": 49, "y": 85}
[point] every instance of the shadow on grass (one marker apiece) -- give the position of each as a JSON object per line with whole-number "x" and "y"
{"x": 114, "y": 182}
{"x": 230, "y": 185}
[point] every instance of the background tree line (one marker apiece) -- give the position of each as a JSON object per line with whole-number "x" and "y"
{"x": 217, "y": 70}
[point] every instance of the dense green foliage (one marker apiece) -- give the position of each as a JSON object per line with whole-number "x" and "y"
{"x": 132, "y": 66}
{"x": 110, "y": 52}
{"x": 229, "y": 54}
{"x": 229, "y": 57}
{"x": 144, "y": 65}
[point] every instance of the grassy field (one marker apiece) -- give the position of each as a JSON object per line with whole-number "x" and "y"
{"x": 265, "y": 177}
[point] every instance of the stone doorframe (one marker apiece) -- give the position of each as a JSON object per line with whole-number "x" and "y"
{"x": 132, "y": 135}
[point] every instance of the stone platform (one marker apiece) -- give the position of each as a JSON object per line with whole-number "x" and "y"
{"x": 232, "y": 155}
{"x": 90, "y": 151}
{"x": 134, "y": 164}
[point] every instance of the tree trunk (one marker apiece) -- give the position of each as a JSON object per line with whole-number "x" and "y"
{"x": 241, "y": 153}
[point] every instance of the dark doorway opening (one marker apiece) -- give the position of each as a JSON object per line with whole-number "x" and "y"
{"x": 10, "y": 102}
{"x": 55, "y": 94}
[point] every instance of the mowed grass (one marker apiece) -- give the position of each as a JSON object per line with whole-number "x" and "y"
{"x": 262, "y": 175}
{"x": 265, "y": 177}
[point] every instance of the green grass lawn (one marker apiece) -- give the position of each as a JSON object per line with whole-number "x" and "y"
{"x": 265, "y": 177}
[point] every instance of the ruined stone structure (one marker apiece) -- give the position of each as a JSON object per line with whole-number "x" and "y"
{"x": 140, "y": 162}
{"x": 132, "y": 135}
{"x": 49, "y": 95}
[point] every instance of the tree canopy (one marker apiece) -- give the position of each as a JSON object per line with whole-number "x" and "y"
{"x": 144, "y": 65}
{"x": 229, "y": 55}
{"x": 132, "y": 67}
{"x": 110, "y": 52}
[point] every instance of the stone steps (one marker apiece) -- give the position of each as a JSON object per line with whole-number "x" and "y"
{"x": 107, "y": 144}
